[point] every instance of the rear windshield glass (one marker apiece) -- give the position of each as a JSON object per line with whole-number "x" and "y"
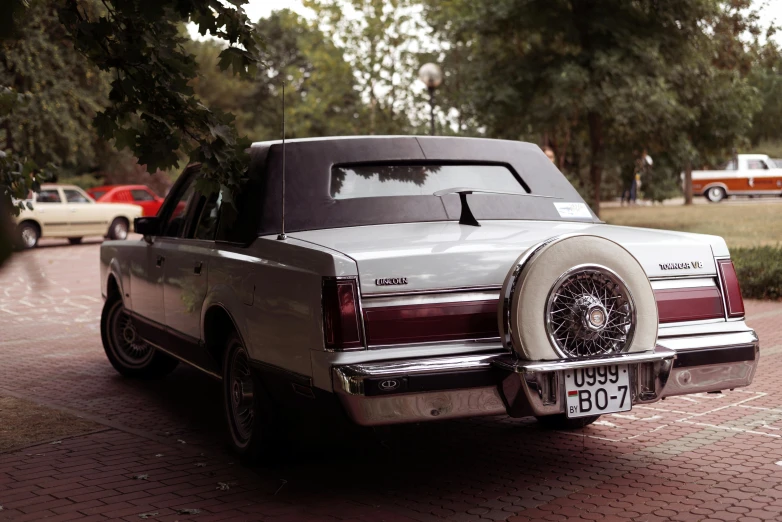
{"x": 372, "y": 181}
{"x": 97, "y": 193}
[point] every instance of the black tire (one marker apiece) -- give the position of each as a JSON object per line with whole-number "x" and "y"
{"x": 253, "y": 423}
{"x": 28, "y": 235}
{"x": 74, "y": 240}
{"x": 561, "y": 422}
{"x": 130, "y": 355}
{"x": 715, "y": 194}
{"x": 118, "y": 229}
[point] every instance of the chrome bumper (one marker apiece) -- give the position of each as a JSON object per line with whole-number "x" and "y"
{"x": 415, "y": 390}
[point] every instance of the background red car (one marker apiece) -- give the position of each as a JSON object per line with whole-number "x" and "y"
{"x": 140, "y": 195}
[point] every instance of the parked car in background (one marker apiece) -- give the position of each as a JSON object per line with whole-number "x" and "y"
{"x": 67, "y": 211}
{"x": 140, "y": 195}
{"x": 417, "y": 279}
{"x": 746, "y": 175}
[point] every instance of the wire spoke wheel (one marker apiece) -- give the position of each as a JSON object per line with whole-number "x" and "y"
{"x": 129, "y": 348}
{"x": 590, "y": 312}
{"x": 241, "y": 394}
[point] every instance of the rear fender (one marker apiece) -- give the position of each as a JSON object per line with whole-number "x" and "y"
{"x": 224, "y": 297}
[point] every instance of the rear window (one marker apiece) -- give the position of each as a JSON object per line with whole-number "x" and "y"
{"x": 97, "y": 194}
{"x": 372, "y": 181}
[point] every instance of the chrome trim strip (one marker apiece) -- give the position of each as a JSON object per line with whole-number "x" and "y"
{"x": 191, "y": 363}
{"x": 706, "y": 327}
{"x": 696, "y": 282}
{"x": 723, "y": 340}
{"x": 372, "y": 295}
{"x": 435, "y": 343}
{"x": 690, "y": 323}
{"x": 506, "y": 332}
{"x": 452, "y": 297}
{"x": 350, "y": 379}
{"x": 514, "y": 365}
{"x": 693, "y": 276}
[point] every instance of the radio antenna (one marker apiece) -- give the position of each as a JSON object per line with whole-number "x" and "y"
{"x": 281, "y": 236}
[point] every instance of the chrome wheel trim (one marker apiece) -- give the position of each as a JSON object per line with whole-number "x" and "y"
{"x": 127, "y": 346}
{"x": 715, "y": 194}
{"x": 240, "y": 389}
{"x": 29, "y": 236}
{"x": 577, "y": 302}
{"x": 120, "y": 230}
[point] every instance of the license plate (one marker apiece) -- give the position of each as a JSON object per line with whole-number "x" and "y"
{"x": 597, "y": 390}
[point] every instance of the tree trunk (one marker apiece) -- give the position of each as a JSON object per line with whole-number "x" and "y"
{"x": 596, "y": 157}
{"x": 688, "y": 183}
{"x": 9, "y": 138}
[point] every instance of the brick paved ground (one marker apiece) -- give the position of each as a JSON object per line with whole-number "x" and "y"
{"x": 713, "y": 457}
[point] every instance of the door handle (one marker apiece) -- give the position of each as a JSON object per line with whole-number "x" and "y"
{"x": 197, "y": 268}
{"x": 73, "y": 210}
{"x": 159, "y": 261}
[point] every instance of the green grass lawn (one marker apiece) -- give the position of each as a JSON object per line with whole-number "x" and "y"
{"x": 748, "y": 224}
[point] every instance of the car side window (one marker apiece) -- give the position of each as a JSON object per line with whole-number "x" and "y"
{"x": 209, "y": 217}
{"x": 175, "y": 224}
{"x": 756, "y": 165}
{"x": 141, "y": 195}
{"x": 48, "y": 196}
{"x": 239, "y": 220}
{"x": 74, "y": 196}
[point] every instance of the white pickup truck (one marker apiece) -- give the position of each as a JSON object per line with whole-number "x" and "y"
{"x": 745, "y": 175}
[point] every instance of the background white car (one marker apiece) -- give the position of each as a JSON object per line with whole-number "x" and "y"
{"x": 67, "y": 211}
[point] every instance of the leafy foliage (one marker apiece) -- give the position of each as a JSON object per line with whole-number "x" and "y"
{"x": 152, "y": 109}
{"x": 381, "y": 40}
{"x": 759, "y": 270}
{"x": 320, "y": 94}
{"x": 50, "y": 95}
{"x": 600, "y": 81}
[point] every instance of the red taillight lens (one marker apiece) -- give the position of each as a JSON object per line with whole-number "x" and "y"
{"x": 688, "y": 304}
{"x": 341, "y": 328}
{"x": 431, "y": 322}
{"x": 730, "y": 285}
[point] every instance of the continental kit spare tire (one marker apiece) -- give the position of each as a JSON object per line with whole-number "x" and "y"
{"x": 577, "y": 296}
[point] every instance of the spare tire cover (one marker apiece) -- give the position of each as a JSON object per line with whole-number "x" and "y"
{"x": 599, "y": 274}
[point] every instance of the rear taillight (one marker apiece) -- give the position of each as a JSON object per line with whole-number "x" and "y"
{"x": 341, "y": 328}
{"x": 676, "y": 305}
{"x": 431, "y": 322}
{"x": 730, "y": 285}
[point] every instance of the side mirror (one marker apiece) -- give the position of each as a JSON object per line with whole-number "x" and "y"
{"x": 29, "y": 205}
{"x": 146, "y": 226}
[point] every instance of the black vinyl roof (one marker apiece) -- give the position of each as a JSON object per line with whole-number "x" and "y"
{"x": 308, "y": 164}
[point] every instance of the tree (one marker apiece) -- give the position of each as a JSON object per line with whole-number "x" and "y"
{"x": 714, "y": 85}
{"x": 62, "y": 92}
{"x": 381, "y": 41}
{"x": 766, "y": 78}
{"x": 151, "y": 109}
{"x": 320, "y": 95}
{"x": 598, "y": 80}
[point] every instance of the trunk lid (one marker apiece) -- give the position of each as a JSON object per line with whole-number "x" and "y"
{"x": 446, "y": 255}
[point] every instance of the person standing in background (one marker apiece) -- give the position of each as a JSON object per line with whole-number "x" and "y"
{"x": 549, "y": 152}
{"x": 642, "y": 164}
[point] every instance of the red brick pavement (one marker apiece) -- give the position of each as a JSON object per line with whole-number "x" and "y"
{"x": 711, "y": 457}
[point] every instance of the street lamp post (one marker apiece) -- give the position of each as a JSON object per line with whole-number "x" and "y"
{"x": 431, "y": 76}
